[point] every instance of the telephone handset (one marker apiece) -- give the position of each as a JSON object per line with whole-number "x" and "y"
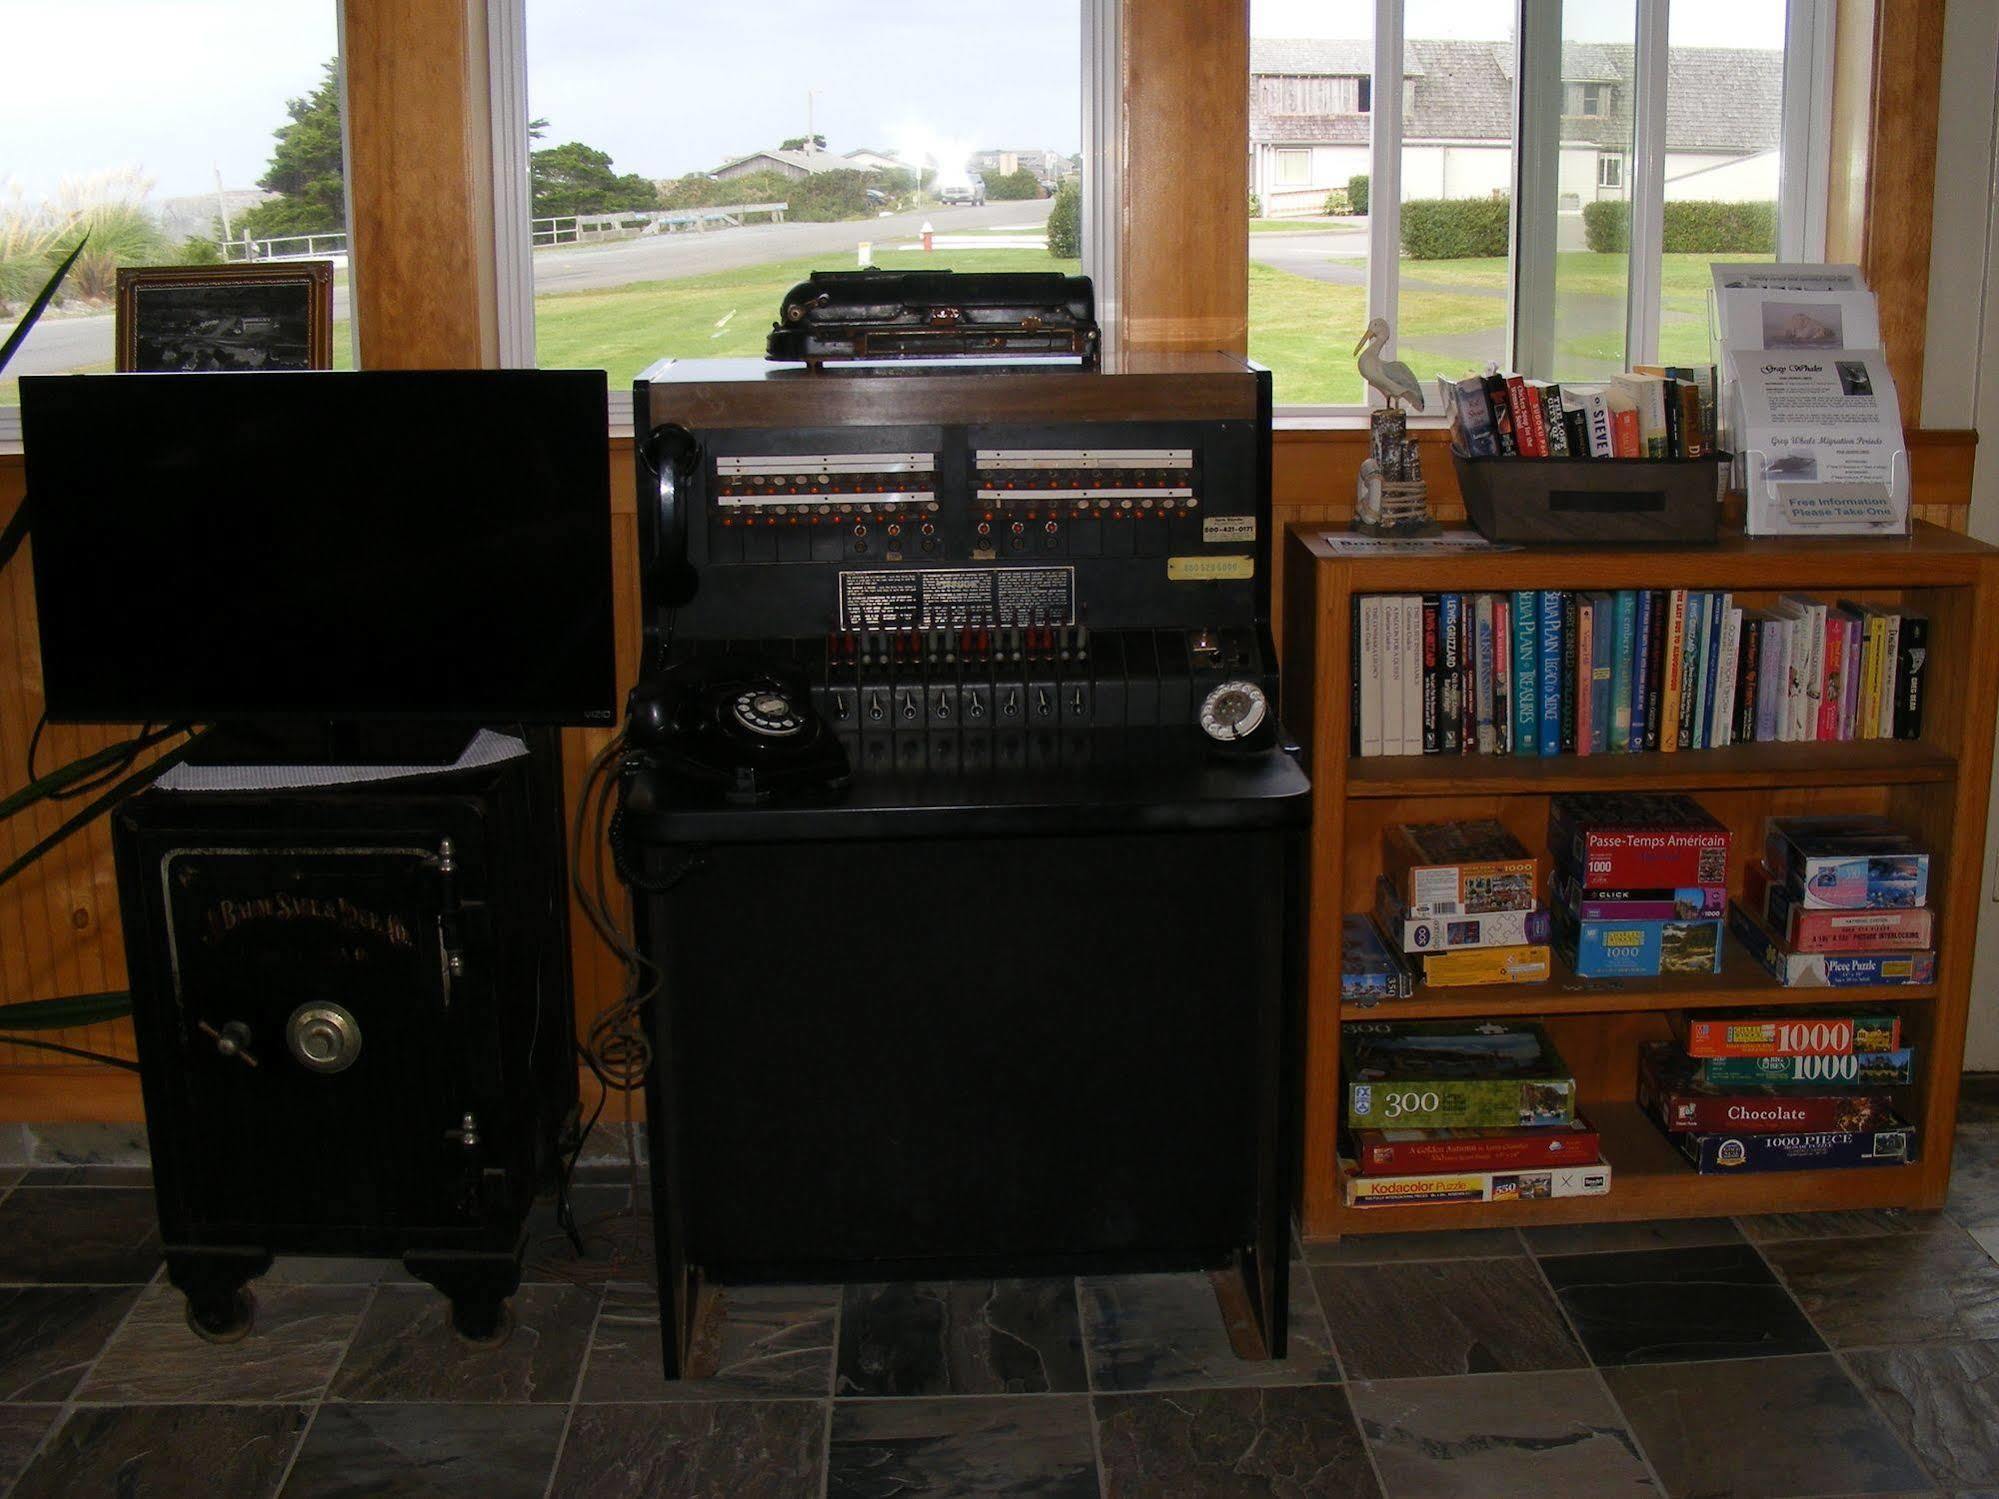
{"x": 744, "y": 726}
{"x": 671, "y": 453}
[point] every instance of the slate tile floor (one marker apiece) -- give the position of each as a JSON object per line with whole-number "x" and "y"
{"x": 1795, "y": 1355}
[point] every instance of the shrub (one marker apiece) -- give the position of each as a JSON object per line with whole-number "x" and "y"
{"x": 198, "y": 252}
{"x": 1337, "y": 202}
{"x": 1255, "y": 206}
{"x": 1607, "y": 226}
{"x": 1004, "y": 187}
{"x": 698, "y": 190}
{"x": 1065, "y": 221}
{"x": 1703, "y": 226}
{"x": 1357, "y": 193}
{"x": 1455, "y": 228}
{"x": 827, "y": 196}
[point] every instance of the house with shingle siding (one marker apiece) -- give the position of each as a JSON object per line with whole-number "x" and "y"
{"x": 1311, "y": 103}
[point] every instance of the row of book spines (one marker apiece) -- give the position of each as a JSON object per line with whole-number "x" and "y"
{"x": 1563, "y": 671}
{"x": 1658, "y": 413}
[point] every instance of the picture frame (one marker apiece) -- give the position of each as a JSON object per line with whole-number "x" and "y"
{"x": 276, "y": 316}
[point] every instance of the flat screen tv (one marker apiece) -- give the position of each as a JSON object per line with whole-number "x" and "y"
{"x": 335, "y": 547}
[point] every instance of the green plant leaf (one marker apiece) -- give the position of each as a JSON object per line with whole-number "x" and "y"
{"x": 20, "y": 334}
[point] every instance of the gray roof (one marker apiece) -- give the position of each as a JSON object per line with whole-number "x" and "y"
{"x": 1718, "y": 99}
{"x": 805, "y": 161}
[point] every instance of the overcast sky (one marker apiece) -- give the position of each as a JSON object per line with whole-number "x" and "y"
{"x": 177, "y": 89}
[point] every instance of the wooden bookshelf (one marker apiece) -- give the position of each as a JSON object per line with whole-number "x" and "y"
{"x": 1936, "y": 786}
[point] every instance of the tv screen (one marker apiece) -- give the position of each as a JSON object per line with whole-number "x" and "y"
{"x": 335, "y": 546}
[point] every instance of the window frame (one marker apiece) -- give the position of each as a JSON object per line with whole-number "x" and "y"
{"x": 513, "y": 272}
{"x": 1541, "y": 97}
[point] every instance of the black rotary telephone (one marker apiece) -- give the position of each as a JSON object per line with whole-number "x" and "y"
{"x": 740, "y": 725}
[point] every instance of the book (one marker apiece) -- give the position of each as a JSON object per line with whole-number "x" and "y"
{"x": 1502, "y": 673}
{"x": 1556, "y": 415}
{"x": 1638, "y": 839}
{"x": 1893, "y": 1069}
{"x": 1583, "y": 698}
{"x": 1751, "y": 1151}
{"x": 1450, "y": 684}
{"x": 1855, "y": 643}
{"x": 1794, "y": 1033}
{"x": 1722, "y": 725}
{"x": 1691, "y": 645}
{"x": 1655, "y": 668}
{"x": 1503, "y": 432}
{"x": 1832, "y": 676}
{"x": 1770, "y": 677}
{"x": 1891, "y": 654}
{"x": 1808, "y": 664}
{"x": 1390, "y": 674}
{"x": 1673, "y": 663}
{"x": 1671, "y": 1091}
{"x": 1429, "y": 934}
{"x": 1748, "y": 675}
{"x": 1523, "y": 420}
{"x": 1907, "y": 718}
{"x": 1526, "y": 694}
{"x": 1402, "y": 1152}
{"x": 1463, "y": 868}
{"x": 1484, "y": 660}
{"x": 1412, "y": 674}
{"x": 1641, "y": 677}
{"x": 1472, "y": 415}
{"x": 1550, "y": 669}
{"x": 1596, "y": 422}
{"x": 1647, "y": 395}
{"x": 1865, "y": 715}
{"x": 1440, "y": 1188}
{"x": 1567, "y": 669}
{"x": 1694, "y": 441}
{"x": 1712, "y": 648}
{"x": 1431, "y": 605}
{"x": 1370, "y": 688}
{"x": 1623, "y": 634}
{"x": 1844, "y": 862}
{"x": 1603, "y": 648}
{"x": 1529, "y": 963}
{"x": 1825, "y": 969}
{"x": 1453, "y": 1073}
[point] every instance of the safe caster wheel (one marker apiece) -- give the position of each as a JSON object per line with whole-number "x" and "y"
{"x": 483, "y": 1324}
{"x": 225, "y": 1318}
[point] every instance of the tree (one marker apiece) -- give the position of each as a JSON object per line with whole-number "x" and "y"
{"x": 575, "y": 178}
{"x": 1002, "y": 186}
{"x": 797, "y": 143}
{"x": 1065, "y": 221}
{"x": 306, "y": 170}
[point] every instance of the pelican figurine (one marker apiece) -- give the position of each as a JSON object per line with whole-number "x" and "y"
{"x": 1395, "y": 380}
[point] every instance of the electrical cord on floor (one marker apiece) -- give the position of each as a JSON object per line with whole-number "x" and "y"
{"x": 132, "y": 748}
{"x": 71, "y": 1051}
{"x": 617, "y": 1244}
{"x": 130, "y": 786}
{"x": 61, "y": 780}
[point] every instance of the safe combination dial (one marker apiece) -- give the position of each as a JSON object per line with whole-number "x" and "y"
{"x": 1233, "y": 710}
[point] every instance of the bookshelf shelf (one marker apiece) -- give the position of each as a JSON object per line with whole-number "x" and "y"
{"x": 1866, "y": 762}
{"x": 1649, "y": 1180}
{"x": 1936, "y": 786}
{"x": 1741, "y": 983}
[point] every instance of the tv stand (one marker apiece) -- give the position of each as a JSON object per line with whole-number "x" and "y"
{"x": 324, "y": 742}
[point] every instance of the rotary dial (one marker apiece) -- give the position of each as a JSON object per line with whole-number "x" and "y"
{"x": 1233, "y": 711}
{"x": 768, "y": 713}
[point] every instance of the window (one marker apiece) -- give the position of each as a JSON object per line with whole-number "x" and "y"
{"x": 165, "y": 147}
{"x": 669, "y": 221}
{"x": 1294, "y": 167}
{"x": 1567, "y": 236}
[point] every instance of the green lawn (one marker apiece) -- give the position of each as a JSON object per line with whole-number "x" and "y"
{"x": 1298, "y": 226}
{"x": 624, "y": 328}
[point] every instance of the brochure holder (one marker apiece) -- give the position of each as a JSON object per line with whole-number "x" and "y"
{"x": 1780, "y": 508}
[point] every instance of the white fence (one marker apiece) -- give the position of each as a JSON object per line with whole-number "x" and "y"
{"x": 287, "y": 247}
{"x": 574, "y": 228}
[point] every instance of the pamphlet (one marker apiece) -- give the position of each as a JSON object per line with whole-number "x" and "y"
{"x": 1450, "y": 542}
{"x": 1814, "y": 417}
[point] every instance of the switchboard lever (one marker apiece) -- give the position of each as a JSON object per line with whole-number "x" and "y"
{"x": 467, "y": 1133}
{"x": 233, "y": 1040}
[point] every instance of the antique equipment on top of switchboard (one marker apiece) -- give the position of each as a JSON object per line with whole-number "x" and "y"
{"x": 839, "y": 315}
{"x": 961, "y": 828}
{"x": 350, "y": 986}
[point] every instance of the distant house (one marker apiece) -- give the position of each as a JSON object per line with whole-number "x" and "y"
{"x": 792, "y": 164}
{"x": 1311, "y": 102}
{"x": 1047, "y": 166}
{"x": 880, "y": 161}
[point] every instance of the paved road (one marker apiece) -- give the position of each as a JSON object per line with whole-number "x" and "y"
{"x": 68, "y": 343}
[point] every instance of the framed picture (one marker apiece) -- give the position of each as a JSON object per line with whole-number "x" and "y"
{"x": 226, "y": 317}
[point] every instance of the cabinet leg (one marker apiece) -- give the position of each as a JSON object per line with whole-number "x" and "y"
{"x": 478, "y": 1285}
{"x": 215, "y": 1280}
{"x": 1255, "y": 1304}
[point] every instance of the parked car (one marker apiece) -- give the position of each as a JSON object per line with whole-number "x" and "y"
{"x": 973, "y": 192}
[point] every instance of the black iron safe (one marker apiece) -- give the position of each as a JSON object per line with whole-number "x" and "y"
{"x": 962, "y": 828}
{"x": 353, "y": 1013}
